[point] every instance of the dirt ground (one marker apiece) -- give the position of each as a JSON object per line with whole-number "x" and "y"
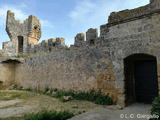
{"x": 135, "y": 111}
{"x": 14, "y": 103}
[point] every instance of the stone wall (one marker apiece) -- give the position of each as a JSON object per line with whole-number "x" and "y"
{"x": 78, "y": 70}
{"x": 154, "y": 4}
{"x": 141, "y": 36}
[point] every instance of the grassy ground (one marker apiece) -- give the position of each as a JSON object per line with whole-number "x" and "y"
{"x": 38, "y": 102}
{"x": 14, "y": 94}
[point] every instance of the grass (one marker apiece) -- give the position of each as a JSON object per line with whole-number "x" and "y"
{"x": 45, "y": 115}
{"x": 92, "y": 95}
{"x": 13, "y": 118}
{"x": 43, "y": 100}
{"x": 7, "y": 95}
{"x": 49, "y": 115}
{"x": 22, "y": 56}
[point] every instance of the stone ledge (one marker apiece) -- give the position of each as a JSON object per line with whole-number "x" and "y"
{"x": 125, "y": 20}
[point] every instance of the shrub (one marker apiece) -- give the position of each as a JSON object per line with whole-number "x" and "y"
{"x": 96, "y": 97}
{"x": 51, "y": 91}
{"x": 55, "y": 90}
{"x": 29, "y": 89}
{"x": 92, "y": 95}
{"x": 49, "y": 115}
{"x": 156, "y": 107}
{"x": 46, "y": 90}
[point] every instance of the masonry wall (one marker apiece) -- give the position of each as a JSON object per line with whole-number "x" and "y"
{"x": 78, "y": 70}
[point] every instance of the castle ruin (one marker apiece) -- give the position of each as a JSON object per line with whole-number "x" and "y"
{"x": 123, "y": 62}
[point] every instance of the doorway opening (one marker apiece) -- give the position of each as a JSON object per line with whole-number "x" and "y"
{"x": 20, "y": 44}
{"x": 141, "y": 80}
{"x": 92, "y": 42}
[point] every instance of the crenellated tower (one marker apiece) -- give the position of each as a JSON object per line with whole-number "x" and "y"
{"x": 21, "y": 34}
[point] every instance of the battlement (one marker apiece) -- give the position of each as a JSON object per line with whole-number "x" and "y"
{"x": 79, "y": 40}
{"x": 25, "y": 36}
{"x": 91, "y": 38}
{"x": 31, "y": 17}
{"x": 11, "y": 15}
{"x": 47, "y": 46}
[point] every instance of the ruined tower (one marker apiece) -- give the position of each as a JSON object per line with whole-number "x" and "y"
{"x": 21, "y": 34}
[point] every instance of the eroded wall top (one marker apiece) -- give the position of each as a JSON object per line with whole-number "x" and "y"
{"x": 31, "y": 27}
{"x": 125, "y": 15}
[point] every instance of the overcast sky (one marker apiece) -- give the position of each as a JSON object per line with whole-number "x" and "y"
{"x": 64, "y": 18}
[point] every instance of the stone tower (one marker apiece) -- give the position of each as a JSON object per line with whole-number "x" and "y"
{"x": 21, "y": 34}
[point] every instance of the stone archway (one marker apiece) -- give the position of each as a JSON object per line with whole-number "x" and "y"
{"x": 141, "y": 79}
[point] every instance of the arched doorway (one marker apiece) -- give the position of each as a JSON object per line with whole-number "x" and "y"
{"x": 141, "y": 80}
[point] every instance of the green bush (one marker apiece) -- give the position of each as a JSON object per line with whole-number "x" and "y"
{"x": 156, "y": 107}
{"x": 51, "y": 91}
{"x": 49, "y": 115}
{"x": 29, "y": 89}
{"x": 96, "y": 97}
{"x": 55, "y": 90}
{"x": 46, "y": 90}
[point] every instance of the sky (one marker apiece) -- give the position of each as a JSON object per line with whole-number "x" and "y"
{"x": 64, "y": 18}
